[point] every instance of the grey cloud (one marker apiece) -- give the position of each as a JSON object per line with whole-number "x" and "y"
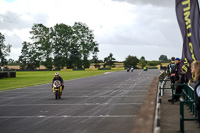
{"x": 166, "y": 3}
{"x": 153, "y": 32}
{"x": 13, "y": 40}
{"x": 10, "y": 21}
{"x": 153, "y": 2}
{"x": 156, "y": 27}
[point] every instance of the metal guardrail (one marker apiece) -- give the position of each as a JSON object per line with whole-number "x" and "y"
{"x": 157, "y": 111}
{"x": 162, "y": 89}
{"x": 188, "y": 99}
{"x": 173, "y": 91}
{"x": 163, "y": 78}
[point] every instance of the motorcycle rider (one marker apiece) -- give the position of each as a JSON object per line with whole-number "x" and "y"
{"x": 132, "y": 69}
{"x": 57, "y": 77}
{"x": 128, "y": 69}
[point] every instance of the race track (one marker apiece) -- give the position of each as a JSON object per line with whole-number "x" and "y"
{"x": 107, "y": 103}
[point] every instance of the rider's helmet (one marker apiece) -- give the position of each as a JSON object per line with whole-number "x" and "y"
{"x": 56, "y": 75}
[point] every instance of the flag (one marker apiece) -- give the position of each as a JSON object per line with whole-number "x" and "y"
{"x": 187, "y": 12}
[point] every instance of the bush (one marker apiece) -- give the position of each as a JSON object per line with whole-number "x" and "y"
{"x": 153, "y": 63}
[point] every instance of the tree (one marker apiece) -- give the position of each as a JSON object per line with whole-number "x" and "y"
{"x": 42, "y": 40}
{"x": 109, "y": 60}
{"x": 95, "y": 58}
{"x": 4, "y": 50}
{"x": 142, "y": 62}
{"x": 142, "y": 58}
{"x": 61, "y": 45}
{"x": 131, "y": 61}
{"x": 84, "y": 38}
{"x": 30, "y": 58}
{"x": 62, "y": 39}
{"x": 163, "y": 58}
{"x": 11, "y": 61}
{"x": 75, "y": 58}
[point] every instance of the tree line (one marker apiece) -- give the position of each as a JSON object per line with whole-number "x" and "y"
{"x": 64, "y": 46}
{"x": 59, "y": 46}
{"x": 4, "y": 50}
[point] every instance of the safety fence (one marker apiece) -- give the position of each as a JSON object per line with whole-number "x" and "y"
{"x": 187, "y": 99}
{"x": 161, "y": 83}
{"x": 7, "y": 75}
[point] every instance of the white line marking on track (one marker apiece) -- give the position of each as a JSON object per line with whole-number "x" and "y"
{"x": 47, "y": 83}
{"x": 68, "y": 116}
{"x": 81, "y": 104}
{"x": 36, "y": 92}
{"x": 107, "y": 72}
{"x": 79, "y": 97}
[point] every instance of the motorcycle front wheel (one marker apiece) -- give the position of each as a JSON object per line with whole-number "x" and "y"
{"x": 56, "y": 95}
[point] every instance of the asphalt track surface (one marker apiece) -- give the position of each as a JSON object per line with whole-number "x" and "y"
{"x": 107, "y": 103}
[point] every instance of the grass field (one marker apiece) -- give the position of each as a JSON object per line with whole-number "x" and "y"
{"x": 24, "y": 79}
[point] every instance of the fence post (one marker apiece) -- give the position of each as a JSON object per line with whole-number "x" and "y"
{"x": 181, "y": 115}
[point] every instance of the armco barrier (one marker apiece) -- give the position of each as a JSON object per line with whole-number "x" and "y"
{"x": 161, "y": 87}
{"x": 104, "y": 69}
{"x": 65, "y": 70}
{"x": 162, "y": 82}
{"x": 163, "y": 78}
{"x": 89, "y": 69}
{"x": 152, "y": 67}
{"x": 21, "y": 70}
{"x": 117, "y": 68}
{"x": 79, "y": 69}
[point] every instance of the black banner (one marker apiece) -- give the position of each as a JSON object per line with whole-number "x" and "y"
{"x": 187, "y": 12}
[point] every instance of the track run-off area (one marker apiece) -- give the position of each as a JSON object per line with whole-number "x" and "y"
{"x": 107, "y": 103}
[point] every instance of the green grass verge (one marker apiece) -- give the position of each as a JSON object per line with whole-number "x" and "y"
{"x": 25, "y": 79}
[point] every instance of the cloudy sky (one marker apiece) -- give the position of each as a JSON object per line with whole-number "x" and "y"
{"x": 146, "y": 28}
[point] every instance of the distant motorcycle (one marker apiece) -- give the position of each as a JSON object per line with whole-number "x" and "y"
{"x": 128, "y": 69}
{"x": 57, "y": 89}
{"x": 132, "y": 69}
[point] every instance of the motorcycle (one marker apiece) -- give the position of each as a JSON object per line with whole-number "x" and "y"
{"x": 57, "y": 89}
{"x": 128, "y": 69}
{"x": 132, "y": 69}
